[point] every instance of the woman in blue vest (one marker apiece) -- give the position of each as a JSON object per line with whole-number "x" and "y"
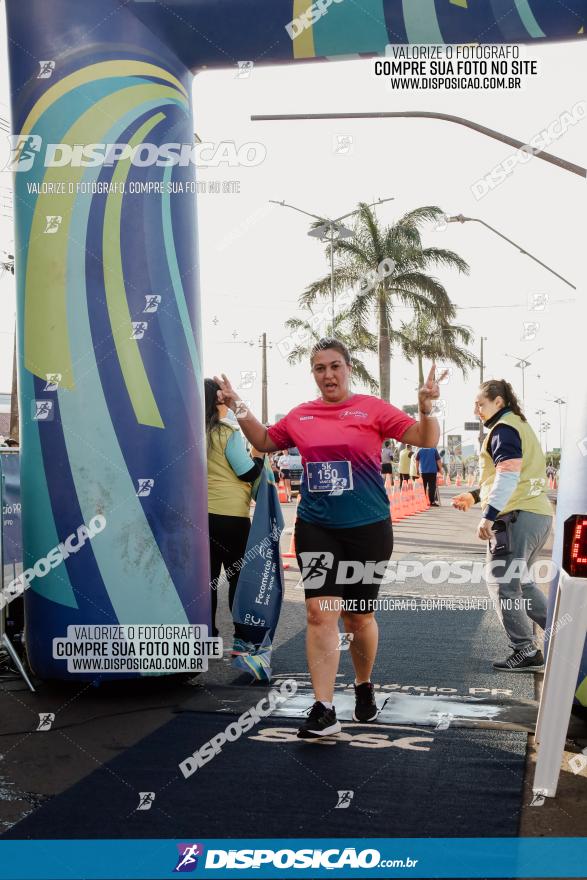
{"x": 513, "y": 486}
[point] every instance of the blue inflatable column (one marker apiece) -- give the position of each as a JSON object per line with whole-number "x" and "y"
{"x": 113, "y": 457}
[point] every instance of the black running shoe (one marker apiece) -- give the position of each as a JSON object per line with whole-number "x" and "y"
{"x": 365, "y": 705}
{"x": 320, "y": 722}
{"x": 521, "y": 661}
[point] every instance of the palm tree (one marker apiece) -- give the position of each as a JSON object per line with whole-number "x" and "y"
{"x": 307, "y": 332}
{"x": 408, "y": 284}
{"x": 426, "y": 337}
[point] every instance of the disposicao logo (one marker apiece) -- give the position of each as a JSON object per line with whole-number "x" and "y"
{"x": 188, "y": 857}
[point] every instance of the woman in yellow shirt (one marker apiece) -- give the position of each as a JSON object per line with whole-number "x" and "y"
{"x": 231, "y": 474}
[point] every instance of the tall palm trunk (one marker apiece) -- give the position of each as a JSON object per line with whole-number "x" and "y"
{"x": 420, "y": 369}
{"x": 384, "y": 352}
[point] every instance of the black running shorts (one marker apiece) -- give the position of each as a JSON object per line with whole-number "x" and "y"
{"x": 325, "y": 555}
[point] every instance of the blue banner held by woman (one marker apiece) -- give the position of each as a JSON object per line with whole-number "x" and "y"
{"x": 259, "y": 594}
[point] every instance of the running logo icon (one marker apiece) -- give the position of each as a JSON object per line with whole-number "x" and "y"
{"x": 144, "y": 487}
{"x": 344, "y": 641}
{"x": 24, "y": 150}
{"x": 46, "y": 720}
{"x": 52, "y": 224}
{"x": 314, "y": 568}
{"x": 146, "y": 799}
{"x": 245, "y": 69}
{"x": 138, "y": 329}
{"x": 153, "y": 301}
{"x": 342, "y": 144}
{"x": 530, "y": 331}
{"x": 42, "y": 410}
{"x": 577, "y": 763}
{"x": 537, "y": 486}
{"x": 537, "y": 302}
{"x": 46, "y": 71}
{"x": 344, "y": 800}
{"x": 247, "y": 378}
{"x": 52, "y": 383}
{"x": 188, "y": 857}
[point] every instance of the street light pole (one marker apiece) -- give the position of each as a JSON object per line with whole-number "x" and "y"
{"x": 523, "y": 364}
{"x": 560, "y": 402}
{"x": 540, "y": 413}
{"x": 459, "y": 218}
{"x": 481, "y": 366}
{"x": 546, "y": 426}
{"x": 336, "y": 230}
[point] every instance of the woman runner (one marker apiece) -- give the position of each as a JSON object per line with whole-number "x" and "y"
{"x": 343, "y": 516}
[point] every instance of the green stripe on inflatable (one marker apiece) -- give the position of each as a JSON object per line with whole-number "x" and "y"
{"x": 351, "y": 27}
{"x": 421, "y": 22}
{"x": 131, "y": 363}
{"x": 176, "y": 281}
{"x": 528, "y": 19}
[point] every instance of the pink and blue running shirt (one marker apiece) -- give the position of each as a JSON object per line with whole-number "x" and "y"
{"x": 352, "y": 431}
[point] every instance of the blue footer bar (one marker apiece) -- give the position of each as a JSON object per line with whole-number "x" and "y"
{"x": 272, "y": 858}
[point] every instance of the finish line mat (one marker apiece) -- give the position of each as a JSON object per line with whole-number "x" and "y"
{"x": 372, "y": 780}
{"x": 423, "y": 710}
{"x": 408, "y": 779}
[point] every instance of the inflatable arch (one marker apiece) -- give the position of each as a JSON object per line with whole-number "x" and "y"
{"x": 109, "y": 336}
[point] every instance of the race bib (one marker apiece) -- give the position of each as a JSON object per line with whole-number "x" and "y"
{"x": 329, "y": 476}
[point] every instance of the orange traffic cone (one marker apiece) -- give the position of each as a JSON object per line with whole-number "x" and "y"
{"x": 410, "y": 510}
{"x": 402, "y": 505}
{"x": 291, "y": 553}
{"x": 440, "y": 480}
{"x": 458, "y": 480}
{"x": 396, "y": 506}
{"x": 418, "y": 497}
{"x": 415, "y": 497}
{"x": 282, "y": 492}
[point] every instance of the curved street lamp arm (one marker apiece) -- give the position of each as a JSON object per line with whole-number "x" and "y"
{"x": 446, "y": 117}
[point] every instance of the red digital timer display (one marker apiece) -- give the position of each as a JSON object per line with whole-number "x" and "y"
{"x": 575, "y": 546}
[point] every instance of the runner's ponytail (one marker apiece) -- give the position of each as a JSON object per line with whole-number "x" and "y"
{"x": 500, "y": 388}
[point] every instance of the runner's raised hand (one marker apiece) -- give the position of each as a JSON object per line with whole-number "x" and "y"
{"x": 430, "y": 390}
{"x": 227, "y": 394}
